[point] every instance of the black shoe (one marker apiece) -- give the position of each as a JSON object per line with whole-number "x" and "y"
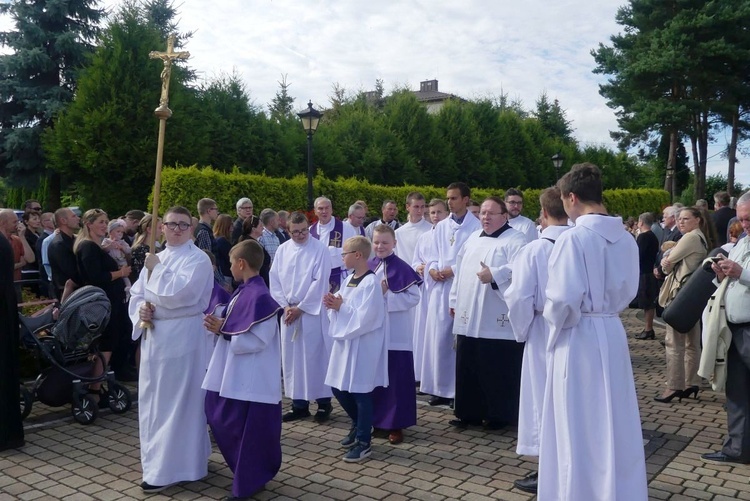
{"x": 693, "y": 390}
{"x": 646, "y": 335}
{"x": 527, "y": 483}
{"x": 323, "y": 414}
{"x": 670, "y": 397}
{"x": 465, "y": 423}
{"x": 495, "y": 425}
{"x": 439, "y": 401}
{"x": 151, "y": 489}
{"x": 721, "y": 458}
{"x": 295, "y": 414}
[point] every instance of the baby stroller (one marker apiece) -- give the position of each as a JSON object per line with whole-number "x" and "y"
{"x": 65, "y": 345}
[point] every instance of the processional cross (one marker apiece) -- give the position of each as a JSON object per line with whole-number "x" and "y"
{"x": 162, "y": 113}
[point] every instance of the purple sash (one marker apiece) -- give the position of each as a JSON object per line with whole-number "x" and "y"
{"x": 398, "y": 275}
{"x": 335, "y": 239}
{"x": 251, "y": 304}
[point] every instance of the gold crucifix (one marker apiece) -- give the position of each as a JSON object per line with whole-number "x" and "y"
{"x": 167, "y": 58}
{"x": 162, "y": 113}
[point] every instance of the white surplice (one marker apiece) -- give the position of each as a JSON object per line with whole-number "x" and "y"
{"x": 407, "y": 236}
{"x": 525, "y": 299}
{"x": 359, "y": 357}
{"x": 438, "y": 372}
{"x": 174, "y": 357}
{"x": 591, "y": 439}
{"x": 299, "y": 277}
{"x": 420, "y": 312}
{"x": 247, "y": 366}
{"x": 399, "y": 308}
{"x": 525, "y": 226}
{"x": 480, "y": 311}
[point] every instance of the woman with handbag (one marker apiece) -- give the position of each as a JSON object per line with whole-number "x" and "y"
{"x": 683, "y": 348}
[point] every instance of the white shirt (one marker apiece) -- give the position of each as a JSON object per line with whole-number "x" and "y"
{"x": 525, "y": 226}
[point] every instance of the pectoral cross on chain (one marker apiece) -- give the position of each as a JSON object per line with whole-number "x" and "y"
{"x": 465, "y": 317}
{"x": 503, "y": 320}
{"x": 167, "y": 58}
{"x": 453, "y": 238}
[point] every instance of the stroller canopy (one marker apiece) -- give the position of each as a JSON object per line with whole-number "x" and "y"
{"x": 83, "y": 316}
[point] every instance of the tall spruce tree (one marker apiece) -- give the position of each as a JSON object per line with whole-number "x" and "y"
{"x": 51, "y": 42}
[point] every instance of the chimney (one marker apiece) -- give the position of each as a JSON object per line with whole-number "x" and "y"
{"x": 428, "y": 86}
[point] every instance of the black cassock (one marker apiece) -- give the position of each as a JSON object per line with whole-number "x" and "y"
{"x": 11, "y": 429}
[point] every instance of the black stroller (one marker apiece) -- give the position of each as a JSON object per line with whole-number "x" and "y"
{"x": 67, "y": 354}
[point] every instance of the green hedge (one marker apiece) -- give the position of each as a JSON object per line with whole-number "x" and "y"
{"x": 186, "y": 185}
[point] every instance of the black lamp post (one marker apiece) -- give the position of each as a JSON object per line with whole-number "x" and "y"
{"x": 557, "y": 161}
{"x": 310, "y": 119}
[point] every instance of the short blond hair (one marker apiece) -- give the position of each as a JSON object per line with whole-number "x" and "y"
{"x": 359, "y": 244}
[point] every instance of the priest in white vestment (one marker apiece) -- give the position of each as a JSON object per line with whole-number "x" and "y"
{"x": 174, "y": 357}
{"x": 514, "y": 202}
{"x": 299, "y": 280}
{"x": 332, "y": 232}
{"x": 438, "y": 374}
{"x": 525, "y": 299}
{"x": 488, "y": 358}
{"x": 591, "y": 439}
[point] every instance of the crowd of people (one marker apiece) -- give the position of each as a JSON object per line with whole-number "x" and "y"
{"x": 506, "y": 320}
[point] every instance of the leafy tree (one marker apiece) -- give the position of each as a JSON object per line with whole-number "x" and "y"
{"x": 109, "y": 132}
{"x": 552, "y": 118}
{"x": 50, "y": 44}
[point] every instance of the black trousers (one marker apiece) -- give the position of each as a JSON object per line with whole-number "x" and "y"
{"x": 737, "y": 443}
{"x": 488, "y": 379}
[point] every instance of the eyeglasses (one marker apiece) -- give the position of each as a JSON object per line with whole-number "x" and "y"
{"x": 513, "y": 202}
{"x": 349, "y": 252}
{"x": 246, "y": 207}
{"x": 492, "y": 213}
{"x": 181, "y": 225}
{"x": 296, "y": 233}
{"x": 36, "y": 208}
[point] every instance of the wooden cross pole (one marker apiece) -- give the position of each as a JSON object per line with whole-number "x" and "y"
{"x": 162, "y": 113}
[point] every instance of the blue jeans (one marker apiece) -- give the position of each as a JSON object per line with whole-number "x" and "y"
{"x": 304, "y": 404}
{"x": 358, "y": 407}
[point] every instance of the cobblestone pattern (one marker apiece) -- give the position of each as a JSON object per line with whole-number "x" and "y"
{"x": 66, "y": 461}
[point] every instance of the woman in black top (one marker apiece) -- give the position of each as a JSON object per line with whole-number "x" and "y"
{"x": 141, "y": 247}
{"x": 252, "y": 228}
{"x": 96, "y": 267}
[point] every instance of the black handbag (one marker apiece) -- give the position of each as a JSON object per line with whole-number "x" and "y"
{"x": 686, "y": 308}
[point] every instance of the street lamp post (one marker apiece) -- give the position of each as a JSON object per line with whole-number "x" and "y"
{"x": 310, "y": 119}
{"x": 557, "y": 161}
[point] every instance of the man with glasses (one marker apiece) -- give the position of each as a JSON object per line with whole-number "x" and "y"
{"x": 356, "y": 219}
{"x": 204, "y": 235}
{"x": 514, "y": 202}
{"x": 488, "y": 358}
{"x": 174, "y": 357}
{"x": 299, "y": 280}
{"x": 244, "y": 208}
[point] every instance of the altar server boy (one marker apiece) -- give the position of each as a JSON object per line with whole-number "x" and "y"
{"x": 396, "y": 406}
{"x": 243, "y": 399}
{"x": 359, "y": 356}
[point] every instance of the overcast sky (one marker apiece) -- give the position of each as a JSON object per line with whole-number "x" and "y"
{"x": 474, "y": 48}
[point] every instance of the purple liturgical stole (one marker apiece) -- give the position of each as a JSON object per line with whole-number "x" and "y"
{"x": 335, "y": 239}
{"x": 218, "y": 296}
{"x": 251, "y": 304}
{"x": 398, "y": 275}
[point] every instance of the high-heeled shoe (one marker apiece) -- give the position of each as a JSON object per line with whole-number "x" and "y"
{"x": 693, "y": 390}
{"x": 670, "y": 397}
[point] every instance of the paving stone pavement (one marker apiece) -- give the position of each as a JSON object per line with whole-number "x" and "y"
{"x": 67, "y": 461}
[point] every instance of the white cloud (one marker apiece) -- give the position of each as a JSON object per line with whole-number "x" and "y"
{"x": 474, "y": 48}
